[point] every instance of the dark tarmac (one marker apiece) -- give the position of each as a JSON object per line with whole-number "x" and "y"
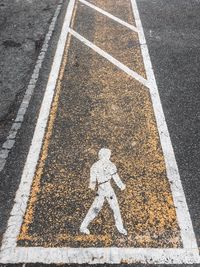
{"x": 172, "y": 33}
{"x": 23, "y": 25}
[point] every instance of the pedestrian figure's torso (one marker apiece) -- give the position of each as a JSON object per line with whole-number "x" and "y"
{"x": 103, "y": 171}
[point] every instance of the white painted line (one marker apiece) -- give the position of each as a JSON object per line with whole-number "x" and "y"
{"x": 29, "y": 91}
{"x": 183, "y": 216}
{"x": 95, "y": 255}
{"x": 131, "y": 27}
{"x": 114, "y": 61}
{"x": 21, "y": 199}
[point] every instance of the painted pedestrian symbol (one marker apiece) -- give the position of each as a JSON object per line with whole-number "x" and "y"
{"x": 101, "y": 174}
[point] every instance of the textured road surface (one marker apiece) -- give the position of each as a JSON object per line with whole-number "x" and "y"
{"x": 9, "y": 179}
{"x": 172, "y": 32}
{"x": 173, "y": 35}
{"x": 23, "y": 25}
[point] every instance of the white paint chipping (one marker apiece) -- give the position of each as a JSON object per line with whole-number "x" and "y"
{"x": 10, "y": 253}
{"x": 110, "y": 58}
{"x": 131, "y": 27}
{"x": 94, "y": 255}
{"x": 29, "y": 91}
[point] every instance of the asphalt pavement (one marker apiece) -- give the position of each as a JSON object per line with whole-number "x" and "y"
{"x": 173, "y": 34}
{"x": 23, "y": 25}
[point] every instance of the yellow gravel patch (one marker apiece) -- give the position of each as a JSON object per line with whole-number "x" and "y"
{"x": 119, "y": 115}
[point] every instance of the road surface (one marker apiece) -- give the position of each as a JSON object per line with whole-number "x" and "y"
{"x": 121, "y": 75}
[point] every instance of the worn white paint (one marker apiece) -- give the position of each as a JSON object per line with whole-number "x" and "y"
{"x": 12, "y": 254}
{"x": 16, "y": 218}
{"x": 110, "y": 58}
{"x": 94, "y": 255}
{"x": 9, "y": 143}
{"x": 101, "y": 174}
{"x": 131, "y": 27}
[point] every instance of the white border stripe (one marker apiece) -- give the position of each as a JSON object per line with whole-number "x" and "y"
{"x": 131, "y": 27}
{"x": 10, "y": 140}
{"x": 114, "y": 61}
{"x": 183, "y": 216}
{"x": 94, "y": 255}
{"x": 21, "y": 199}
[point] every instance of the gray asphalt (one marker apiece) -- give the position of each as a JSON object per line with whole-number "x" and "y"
{"x": 23, "y": 25}
{"x": 10, "y": 176}
{"x": 173, "y": 36}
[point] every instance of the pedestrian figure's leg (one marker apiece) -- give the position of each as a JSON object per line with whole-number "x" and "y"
{"x": 112, "y": 200}
{"x": 92, "y": 213}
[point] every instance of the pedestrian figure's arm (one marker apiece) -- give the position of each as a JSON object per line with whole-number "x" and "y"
{"x": 118, "y": 181}
{"x": 92, "y": 184}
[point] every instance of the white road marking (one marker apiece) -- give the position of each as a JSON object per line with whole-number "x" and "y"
{"x": 131, "y": 27}
{"x": 112, "y": 255}
{"x": 101, "y": 174}
{"x": 9, "y": 143}
{"x": 15, "y": 221}
{"x": 110, "y": 58}
{"x": 182, "y": 212}
{"x": 10, "y": 253}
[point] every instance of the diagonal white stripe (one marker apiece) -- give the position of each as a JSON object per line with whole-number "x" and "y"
{"x": 114, "y": 61}
{"x": 131, "y": 27}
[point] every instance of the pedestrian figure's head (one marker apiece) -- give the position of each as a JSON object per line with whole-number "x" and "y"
{"x": 104, "y": 153}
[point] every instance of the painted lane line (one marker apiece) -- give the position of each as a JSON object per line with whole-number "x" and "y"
{"x": 131, "y": 27}
{"x": 15, "y": 221}
{"x": 10, "y": 141}
{"x": 109, "y": 255}
{"x": 182, "y": 212}
{"x": 114, "y": 61}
